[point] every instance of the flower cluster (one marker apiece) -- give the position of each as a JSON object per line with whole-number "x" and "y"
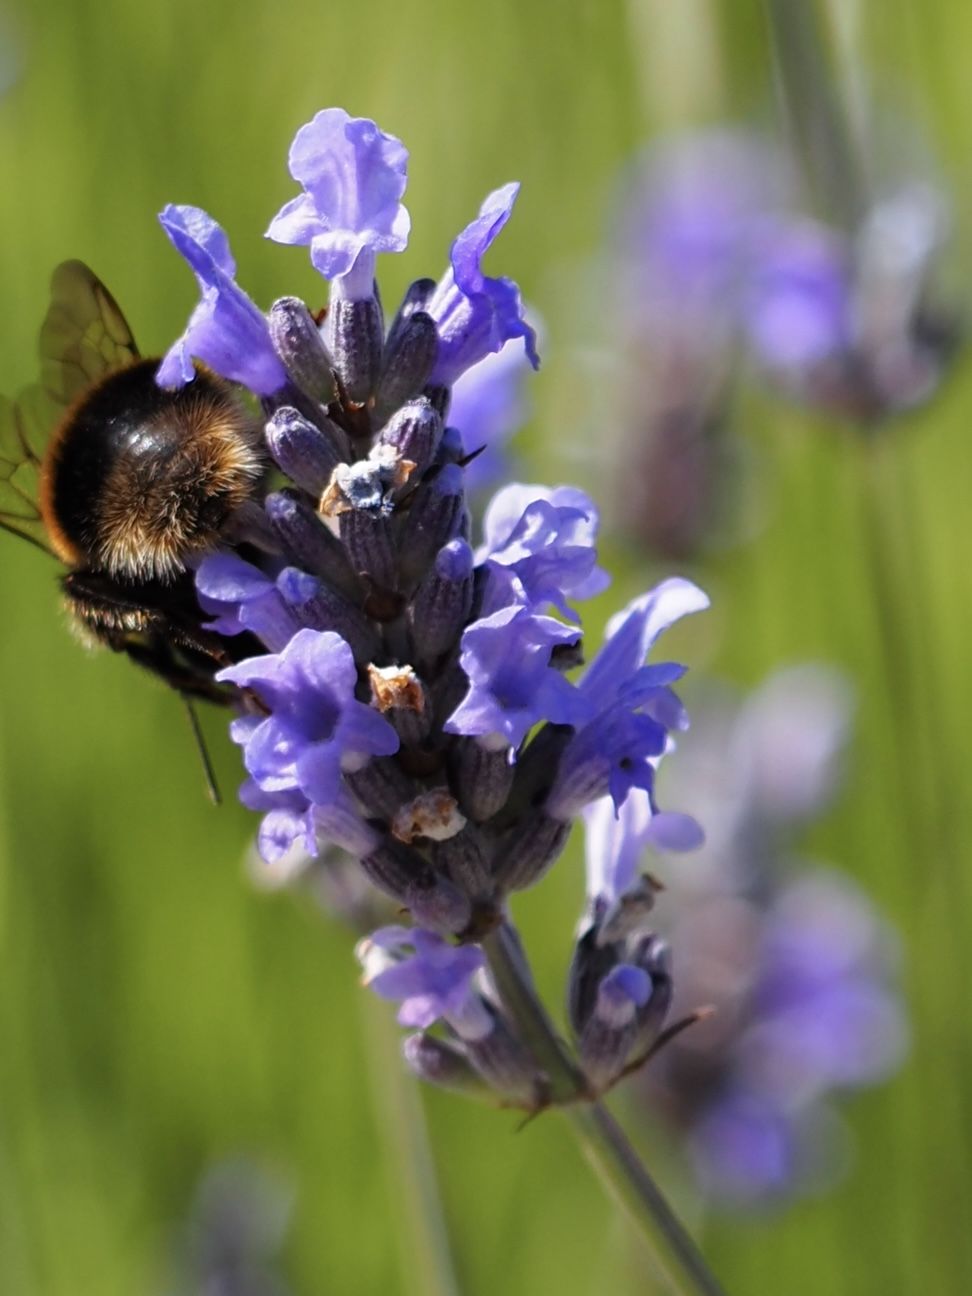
{"x": 715, "y": 260}
{"x": 792, "y": 956}
{"x": 412, "y": 699}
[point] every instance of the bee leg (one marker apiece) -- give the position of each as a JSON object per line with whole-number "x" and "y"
{"x": 191, "y": 678}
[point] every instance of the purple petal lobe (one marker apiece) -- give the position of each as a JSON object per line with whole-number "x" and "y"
{"x": 226, "y": 330}
{"x": 475, "y": 314}
{"x": 353, "y": 176}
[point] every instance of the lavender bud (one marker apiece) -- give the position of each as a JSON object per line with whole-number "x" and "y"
{"x": 629, "y": 913}
{"x": 609, "y": 1035}
{"x": 654, "y": 957}
{"x": 445, "y": 1066}
{"x": 535, "y": 771}
{"x": 381, "y": 787}
{"x": 417, "y": 297}
{"x": 437, "y": 904}
{"x": 309, "y": 543}
{"x": 437, "y": 514}
{"x": 589, "y": 964}
{"x": 354, "y": 333}
{"x": 482, "y": 778}
{"x": 368, "y": 541}
{"x": 463, "y": 858}
{"x": 402, "y": 698}
{"x": 404, "y": 875}
{"x": 307, "y": 452}
{"x": 451, "y": 448}
{"x": 322, "y": 608}
{"x": 297, "y": 341}
{"x": 413, "y": 432}
{"x": 442, "y": 603}
{"x": 500, "y": 1058}
{"x": 393, "y": 868}
{"x": 440, "y": 398}
{"x": 409, "y": 357}
{"x": 527, "y": 851}
{"x": 340, "y": 823}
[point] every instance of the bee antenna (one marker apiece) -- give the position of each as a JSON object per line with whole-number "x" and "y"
{"x": 209, "y": 774}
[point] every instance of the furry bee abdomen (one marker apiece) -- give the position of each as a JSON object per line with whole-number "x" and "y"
{"x": 138, "y": 477}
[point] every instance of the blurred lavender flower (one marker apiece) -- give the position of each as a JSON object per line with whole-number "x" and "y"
{"x": 712, "y": 260}
{"x": 488, "y": 406}
{"x": 235, "y": 1228}
{"x": 403, "y": 698}
{"x": 848, "y": 322}
{"x": 794, "y": 958}
{"x": 689, "y": 217}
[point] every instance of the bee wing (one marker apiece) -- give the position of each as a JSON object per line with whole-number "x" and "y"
{"x": 25, "y": 425}
{"x": 84, "y": 337}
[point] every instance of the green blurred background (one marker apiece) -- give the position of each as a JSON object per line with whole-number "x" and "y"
{"x": 156, "y": 1011}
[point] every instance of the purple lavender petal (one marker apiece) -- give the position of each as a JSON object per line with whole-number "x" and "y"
{"x": 353, "y": 176}
{"x": 434, "y": 981}
{"x": 614, "y": 843}
{"x": 227, "y": 331}
{"x": 546, "y": 539}
{"x": 631, "y": 633}
{"x": 241, "y": 597}
{"x": 316, "y": 727}
{"x": 475, "y": 314}
{"x": 512, "y": 686}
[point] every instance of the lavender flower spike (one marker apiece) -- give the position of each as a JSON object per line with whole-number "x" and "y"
{"x": 353, "y": 176}
{"x": 477, "y": 315}
{"x": 411, "y": 702}
{"x": 226, "y": 330}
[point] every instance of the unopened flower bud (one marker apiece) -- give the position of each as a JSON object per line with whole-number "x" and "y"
{"x": 309, "y": 543}
{"x": 368, "y": 540}
{"x": 417, "y": 296}
{"x": 500, "y": 1058}
{"x": 442, "y": 603}
{"x": 322, "y": 608}
{"x": 413, "y": 432}
{"x": 464, "y": 859}
{"x": 382, "y": 787}
{"x": 437, "y": 514}
{"x": 527, "y": 851}
{"x": 409, "y": 356}
{"x": 297, "y": 341}
{"x": 446, "y": 1066}
{"x": 483, "y": 777}
{"x": 354, "y": 336}
{"x": 609, "y": 1035}
{"x": 306, "y": 452}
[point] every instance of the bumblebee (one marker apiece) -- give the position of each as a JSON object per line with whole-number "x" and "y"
{"x": 126, "y": 483}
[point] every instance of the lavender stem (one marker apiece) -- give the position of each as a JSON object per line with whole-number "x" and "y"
{"x": 423, "y": 1240}
{"x": 605, "y": 1144}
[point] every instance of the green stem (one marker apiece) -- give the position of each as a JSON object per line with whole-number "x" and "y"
{"x": 677, "y": 1257}
{"x": 814, "y": 111}
{"x": 426, "y": 1263}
